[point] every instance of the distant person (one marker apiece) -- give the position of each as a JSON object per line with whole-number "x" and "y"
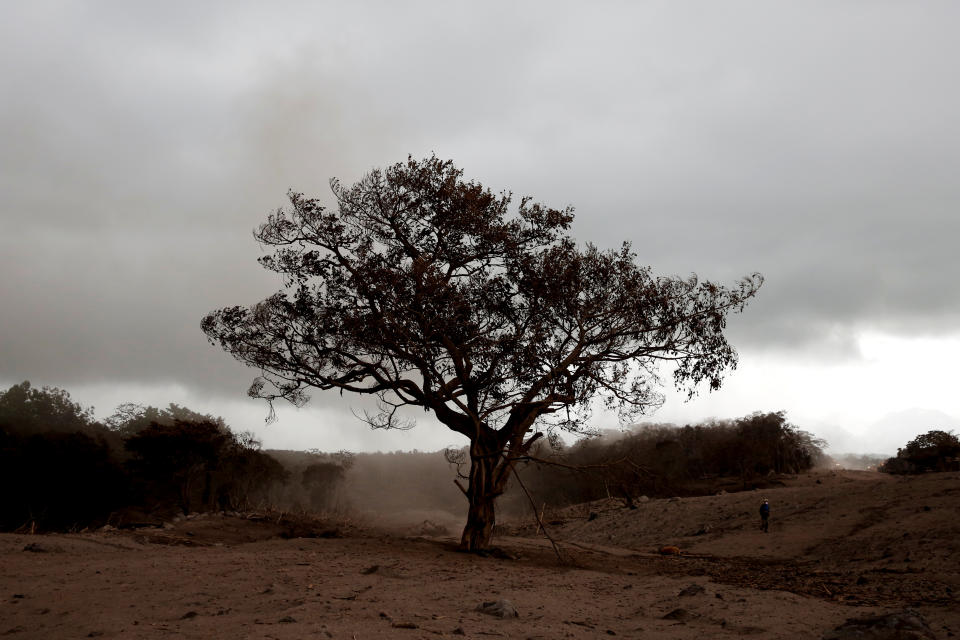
{"x": 765, "y": 516}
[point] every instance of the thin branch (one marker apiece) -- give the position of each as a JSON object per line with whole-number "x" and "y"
{"x": 553, "y": 543}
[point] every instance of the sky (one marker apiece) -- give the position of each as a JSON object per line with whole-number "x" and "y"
{"x": 814, "y": 142}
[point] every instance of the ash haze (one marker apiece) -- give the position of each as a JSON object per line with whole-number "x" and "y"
{"x": 814, "y": 142}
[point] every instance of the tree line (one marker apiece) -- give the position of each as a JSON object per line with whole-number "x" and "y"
{"x": 61, "y": 469}
{"x": 661, "y": 460}
{"x": 935, "y": 450}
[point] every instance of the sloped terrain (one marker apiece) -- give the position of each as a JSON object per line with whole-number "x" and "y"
{"x": 841, "y": 545}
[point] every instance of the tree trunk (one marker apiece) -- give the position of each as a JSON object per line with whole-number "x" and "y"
{"x": 485, "y": 485}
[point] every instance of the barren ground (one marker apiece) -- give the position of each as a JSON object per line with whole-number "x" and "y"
{"x": 841, "y": 545}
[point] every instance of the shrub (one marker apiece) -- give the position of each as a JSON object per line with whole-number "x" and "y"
{"x": 932, "y": 451}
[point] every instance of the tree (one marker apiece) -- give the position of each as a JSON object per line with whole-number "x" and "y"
{"x": 934, "y": 450}
{"x": 178, "y": 461}
{"x": 424, "y": 289}
{"x": 26, "y": 409}
{"x": 131, "y": 418}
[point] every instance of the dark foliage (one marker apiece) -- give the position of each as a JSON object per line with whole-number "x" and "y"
{"x": 198, "y": 466}
{"x": 932, "y": 451}
{"x": 56, "y": 467}
{"x": 61, "y": 470}
{"x": 324, "y": 478}
{"x": 25, "y": 409}
{"x": 131, "y": 418}
{"x": 57, "y": 481}
{"x": 424, "y": 289}
{"x": 666, "y": 460}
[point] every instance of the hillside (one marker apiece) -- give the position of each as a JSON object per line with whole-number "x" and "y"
{"x": 842, "y": 545}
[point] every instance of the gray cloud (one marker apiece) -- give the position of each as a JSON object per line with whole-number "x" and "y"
{"x": 812, "y": 142}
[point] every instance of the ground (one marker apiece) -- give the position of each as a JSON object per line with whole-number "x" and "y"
{"x": 841, "y": 545}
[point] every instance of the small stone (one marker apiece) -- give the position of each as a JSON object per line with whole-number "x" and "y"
{"x": 906, "y": 625}
{"x": 681, "y": 615}
{"x": 499, "y": 608}
{"x": 692, "y": 590}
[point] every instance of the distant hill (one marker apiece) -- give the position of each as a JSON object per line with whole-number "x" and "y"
{"x": 894, "y": 430}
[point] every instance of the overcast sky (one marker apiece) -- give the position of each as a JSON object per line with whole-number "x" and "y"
{"x": 815, "y": 142}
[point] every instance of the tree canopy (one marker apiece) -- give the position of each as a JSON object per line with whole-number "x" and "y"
{"x": 25, "y": 408}
{"x": 422, "y": 288}
{"x": 935, "y": 450}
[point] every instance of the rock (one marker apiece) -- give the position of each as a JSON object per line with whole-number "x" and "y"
{"x": 681, "y": 615}
{"x": 386, "y": 572}
{"x": 188, "y": 615}
{"x": 429, "y": 528}
{"x": 669, "y": 550}
{"x": 499, "y": 608}
{"x": 643, "y": 499}
{"x": 287, "y": 619}
{"x": 693, "y": 590}
{"x": 906, "y": 625}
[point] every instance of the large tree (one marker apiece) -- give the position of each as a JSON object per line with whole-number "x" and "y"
{"x": 421, "y": 288}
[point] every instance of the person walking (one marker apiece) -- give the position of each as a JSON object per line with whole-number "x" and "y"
{"x": 765, "y": 515}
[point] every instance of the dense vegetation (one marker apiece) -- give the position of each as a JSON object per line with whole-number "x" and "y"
{"x": 667, "y": 460}
{"x": 932, "y": 451}
{"x": 61, "y": 469}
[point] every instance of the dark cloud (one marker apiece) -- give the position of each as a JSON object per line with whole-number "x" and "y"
{"x": 815, "y": 143}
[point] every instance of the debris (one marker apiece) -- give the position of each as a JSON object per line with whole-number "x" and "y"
{"x": 386, "y": 572}
{"x": 499, "y": 608}
{"x": 906, "y": 625}
{"x": 429, "y": 528}
{"x": 692, "y": 590}
{"x": 404, "y": 625}
{"x": 681, "y": 615}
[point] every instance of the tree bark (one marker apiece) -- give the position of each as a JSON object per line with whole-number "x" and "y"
{"x": 486, "y": 483}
